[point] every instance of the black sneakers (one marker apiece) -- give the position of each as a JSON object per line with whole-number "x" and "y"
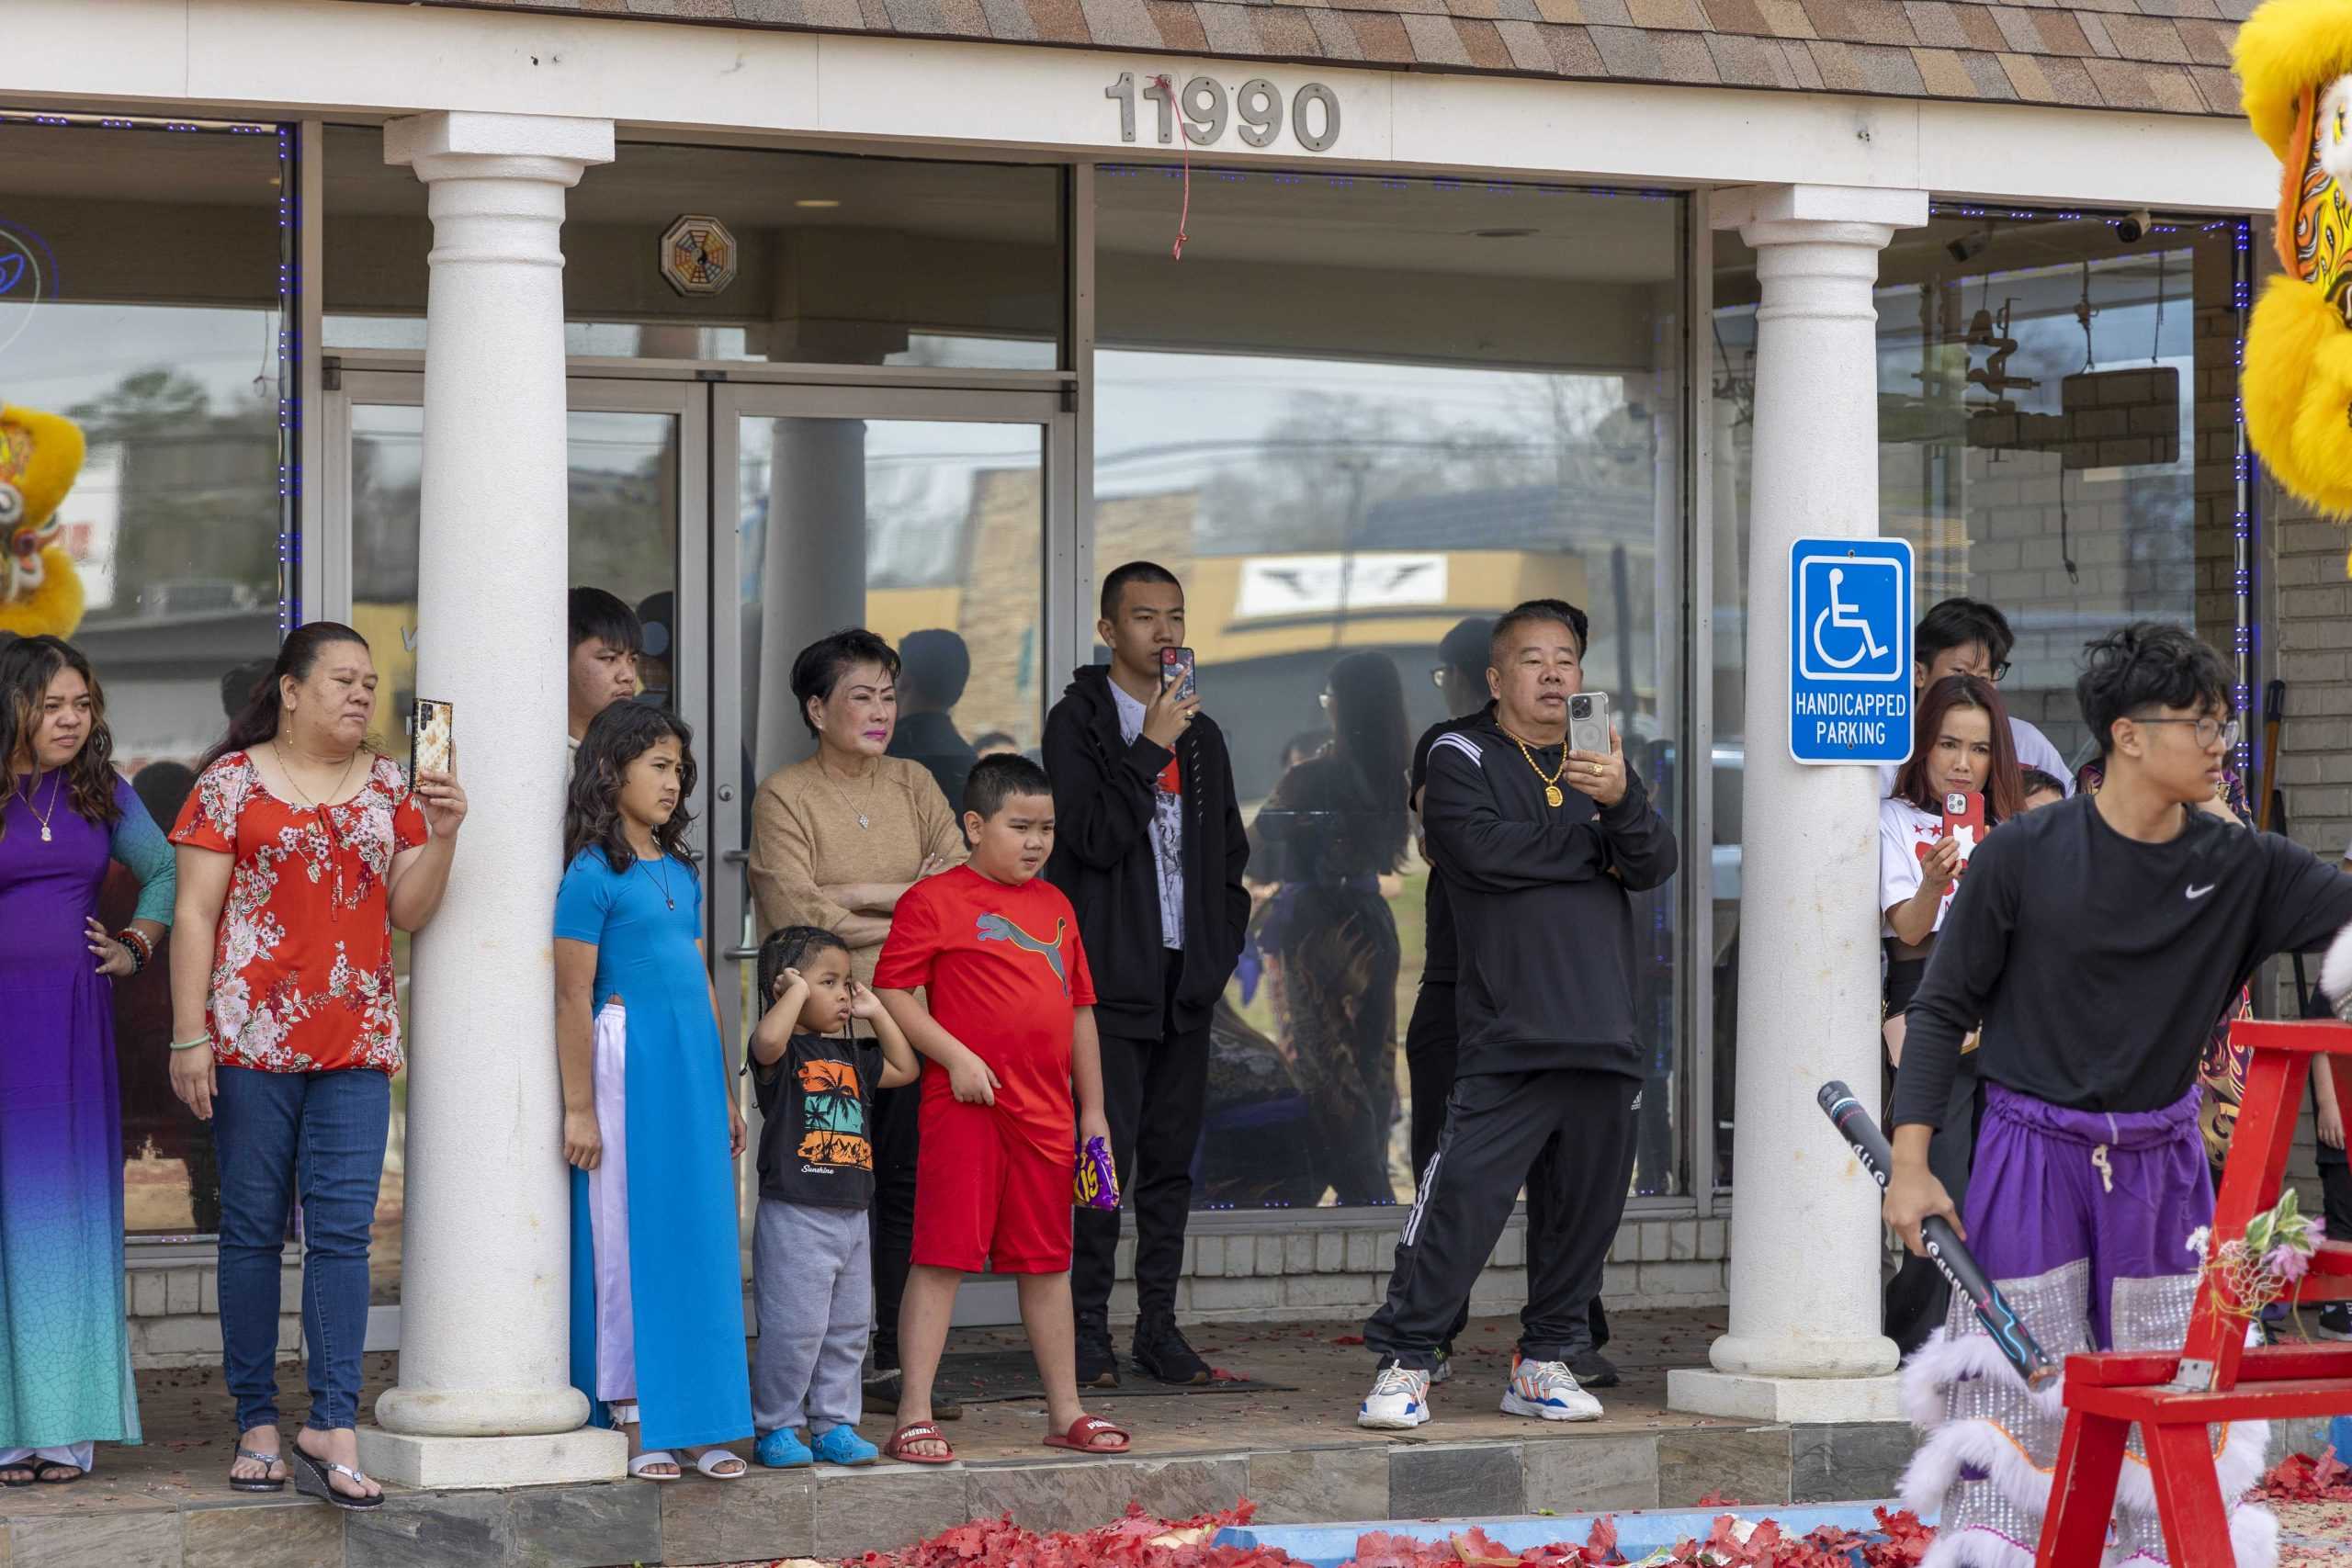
{"x": 1098, "y": 1363}
{"x": 1160, "y": 1351}
{"x": 1593, "y": 1370}
{"x": 2336, "y": 1321}
{"x": 882, "y": 1391}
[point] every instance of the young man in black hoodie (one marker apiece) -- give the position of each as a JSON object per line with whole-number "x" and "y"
{"x": 1539, "y": 847}
{"x": 1150, "y": 849}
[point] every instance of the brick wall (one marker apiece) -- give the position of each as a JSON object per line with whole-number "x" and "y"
{"x": 1341, "y": 1269}
{"x": 1338, "y": 1267}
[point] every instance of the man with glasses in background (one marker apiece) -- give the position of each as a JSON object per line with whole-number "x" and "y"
{"x": 1969, "y": 637}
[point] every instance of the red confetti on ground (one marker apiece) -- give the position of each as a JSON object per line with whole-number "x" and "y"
{"x": 1136, "y": 1540}
{"x": 1717, "y": 1500}
{"x": 2299, "y": 1478}
{"x": 1139, "y": 1540}
{"x": 1347, "y": 1339}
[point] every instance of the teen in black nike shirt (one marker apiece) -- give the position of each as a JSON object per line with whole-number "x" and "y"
{"x": 2098, "y": 940}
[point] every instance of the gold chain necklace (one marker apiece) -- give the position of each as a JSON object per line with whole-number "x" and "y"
{"x": 326, "y": 820}
{"x": 56, "y": 793}
{"x": 1552, "y": 795}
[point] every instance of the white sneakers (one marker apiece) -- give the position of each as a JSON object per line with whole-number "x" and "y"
{"x": 1546, "y": 1390}
{"x": 1398, "y": 1402}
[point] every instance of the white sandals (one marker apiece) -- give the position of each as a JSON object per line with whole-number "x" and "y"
{"x": 713, "y": 1462}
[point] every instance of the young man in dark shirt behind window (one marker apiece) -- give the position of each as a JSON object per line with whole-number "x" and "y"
{"x": 2098, "y": 940}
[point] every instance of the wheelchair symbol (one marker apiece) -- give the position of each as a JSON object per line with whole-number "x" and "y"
{"x": 1847, "y": 619}
{"x": 1844, "y": 617}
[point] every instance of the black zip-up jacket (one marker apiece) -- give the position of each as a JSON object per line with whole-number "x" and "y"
{"x": 1539, "y": 896}
{"x": 1104, "y": 800}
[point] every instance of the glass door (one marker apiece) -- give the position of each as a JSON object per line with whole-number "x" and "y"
{"x": 930, "y": 517}
{"x": 638, "y": 471}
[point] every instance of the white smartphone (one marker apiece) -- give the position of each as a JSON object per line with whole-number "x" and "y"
{"x": 1589, "y": 723}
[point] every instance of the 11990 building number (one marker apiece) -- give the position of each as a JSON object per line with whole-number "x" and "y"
{"x": 1208, "y": 109}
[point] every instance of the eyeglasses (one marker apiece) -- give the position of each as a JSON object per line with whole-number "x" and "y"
{"x": 2208, "y": 730}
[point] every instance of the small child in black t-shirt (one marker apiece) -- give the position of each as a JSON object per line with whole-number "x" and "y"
{"x": 815, "y": 1083}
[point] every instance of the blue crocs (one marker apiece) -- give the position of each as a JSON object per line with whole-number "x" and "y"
{"x": 844, "y": 1446}
{"x": 782, "y": 1450}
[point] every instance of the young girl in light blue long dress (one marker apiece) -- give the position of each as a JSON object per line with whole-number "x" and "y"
{"x": 650, "y": 1121}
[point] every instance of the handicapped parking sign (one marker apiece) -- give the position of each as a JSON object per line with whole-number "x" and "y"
{"x": 1849, "y": 655}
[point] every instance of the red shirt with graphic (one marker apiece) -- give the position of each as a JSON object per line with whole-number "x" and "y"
{"x": 1006, "y": 974}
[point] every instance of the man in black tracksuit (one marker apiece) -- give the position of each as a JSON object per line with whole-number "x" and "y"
{"x": 1431, "y": 1039}
{"x": 1149, "y": 847}
{"x": 1539, "y": 848}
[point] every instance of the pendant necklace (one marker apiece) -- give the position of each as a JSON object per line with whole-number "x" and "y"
{"x": 863, "y": 820}
{"x": 326, "y": 820}
{"x": 55, "y": 793}
{"x": 1552, "y": 795}
{"x": 662, "y": 876}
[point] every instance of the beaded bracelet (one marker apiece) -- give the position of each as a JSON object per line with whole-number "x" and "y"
{"x": 143, "y": 951}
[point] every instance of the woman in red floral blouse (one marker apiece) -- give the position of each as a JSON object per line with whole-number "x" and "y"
{"x": 300, "y": 851}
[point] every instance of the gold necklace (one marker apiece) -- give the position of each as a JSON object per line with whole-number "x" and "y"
{"x": 1552, "y": 795}
{"x": 326, "y": 821}
{"x": 56, "y": 793}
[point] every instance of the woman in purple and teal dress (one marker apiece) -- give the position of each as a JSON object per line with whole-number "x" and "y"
{"x": 65, "y": 1382}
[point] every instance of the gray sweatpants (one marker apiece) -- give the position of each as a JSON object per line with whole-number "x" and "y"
{"x": 811, "y": 1275}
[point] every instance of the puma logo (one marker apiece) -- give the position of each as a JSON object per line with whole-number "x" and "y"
{"x": 996, "y": 928}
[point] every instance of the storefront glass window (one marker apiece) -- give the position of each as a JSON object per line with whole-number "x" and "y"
{"x": 167, "y": 356}
{"x": 624, "y": 538}
{"x": 835, "y": 259}
{"x": 1357, "y": 412}
{"x": 2056, "y": 435}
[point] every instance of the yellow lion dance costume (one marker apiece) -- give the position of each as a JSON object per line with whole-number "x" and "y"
{"x": 40, "y": 457}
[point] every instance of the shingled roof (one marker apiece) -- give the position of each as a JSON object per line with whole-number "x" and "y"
{"x": 2163, "y": 56}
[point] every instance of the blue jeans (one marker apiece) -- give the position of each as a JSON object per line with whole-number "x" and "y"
{"x": 321, "y": 1135}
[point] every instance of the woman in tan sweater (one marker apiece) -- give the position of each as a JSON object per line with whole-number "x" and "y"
{"x": 836, "y": 840}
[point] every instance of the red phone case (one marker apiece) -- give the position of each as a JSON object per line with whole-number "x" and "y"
{"x": 1967, "y": 823}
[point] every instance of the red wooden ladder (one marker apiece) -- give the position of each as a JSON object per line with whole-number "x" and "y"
{"x": 2215, "y": 1377}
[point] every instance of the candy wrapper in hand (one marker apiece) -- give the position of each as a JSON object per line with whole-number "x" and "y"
{"x": 1098, "y": 1179}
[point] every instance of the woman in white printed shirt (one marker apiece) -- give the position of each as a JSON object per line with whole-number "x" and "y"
{"x": 1962, "y": 746}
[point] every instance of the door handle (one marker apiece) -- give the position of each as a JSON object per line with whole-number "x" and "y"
{"x": 741, "y": 955}
{"x": 736, "y": 857}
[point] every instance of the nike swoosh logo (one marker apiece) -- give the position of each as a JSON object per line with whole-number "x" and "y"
{"x": 2201, "y": 892}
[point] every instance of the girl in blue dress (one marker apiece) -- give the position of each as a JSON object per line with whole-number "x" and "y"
{"x": 651, "y": 1123}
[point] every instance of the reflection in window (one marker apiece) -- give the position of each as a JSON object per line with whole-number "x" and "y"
{"x": 1358, "y": 412}
{"x": 169, "y": 360}
{"x": 841, "y": 260}
{"x": 2057, "y": 436}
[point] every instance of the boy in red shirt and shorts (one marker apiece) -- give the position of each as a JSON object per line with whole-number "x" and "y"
{"x": 1008, "y": 1033}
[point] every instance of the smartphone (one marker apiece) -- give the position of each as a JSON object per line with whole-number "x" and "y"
{"x": 431, "y": 737}
{"x": 1176, "y": 670}
{"x": 1589, "y": 723}
{"x": 1964, "y": 821}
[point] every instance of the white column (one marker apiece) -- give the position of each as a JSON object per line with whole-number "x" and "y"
{"x": 485, "y": 1396}
{"x": 1805, "y": 1342}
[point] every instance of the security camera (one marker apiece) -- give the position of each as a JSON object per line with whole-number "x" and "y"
{"x": 2132, "y": 225}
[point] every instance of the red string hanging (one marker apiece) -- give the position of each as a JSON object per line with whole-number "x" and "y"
{"x": 1183, "y": 139}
